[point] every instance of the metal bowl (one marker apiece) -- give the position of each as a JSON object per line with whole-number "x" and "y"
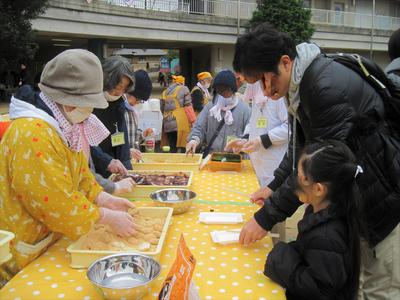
{"x": 123, "y": 276}
{"x": 179, "y": 199}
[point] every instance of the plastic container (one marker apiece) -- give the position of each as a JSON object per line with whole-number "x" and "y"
{"x": 83, "y": 258}
{"x": 154, "y": 104}
{"x": 149, "y": 143}
{"x": 144, "y": 191}
{"x": 5, "y": 239}
{"x": 221, "y": 161}
{"x": 168, "y": 161}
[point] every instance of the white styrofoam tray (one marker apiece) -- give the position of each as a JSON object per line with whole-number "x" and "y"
{"x": 220, "y": 218}
{"x": 225, "y": 237}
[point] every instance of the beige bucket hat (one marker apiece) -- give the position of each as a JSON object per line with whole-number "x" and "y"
{"x": 74, "y": 78}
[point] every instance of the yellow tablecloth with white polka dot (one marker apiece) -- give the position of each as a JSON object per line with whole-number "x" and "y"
{"x": 222, "y": 272}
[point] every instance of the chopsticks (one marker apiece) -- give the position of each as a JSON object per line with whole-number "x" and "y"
{"x": 228, "y": 189}
{"x": 271, "y": 234}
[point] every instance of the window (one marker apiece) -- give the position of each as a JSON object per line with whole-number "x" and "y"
{"x": 307, "y": 3}
{"x": 338, "y": 7}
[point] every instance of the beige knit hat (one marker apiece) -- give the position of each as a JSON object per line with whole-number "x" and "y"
{"x": 74, "y": 78}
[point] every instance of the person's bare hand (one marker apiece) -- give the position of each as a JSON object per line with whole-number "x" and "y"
{"x": 252, "y": 145}
{"x": 235, "y": 145}
{"x": 251, "y": 233}
{"x": 136, "y": 154}
{"x": 259, "y": 196}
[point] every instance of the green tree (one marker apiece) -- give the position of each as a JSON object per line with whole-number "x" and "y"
{"x": 16, "y": 34}
{"x": 285, "y": 15}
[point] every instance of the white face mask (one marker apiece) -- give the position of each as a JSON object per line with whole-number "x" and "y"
{"x": 78, "y": 115}
{"x": 109, "y": 97}
{"x": 228, "y": 101}
{"x": 207, "y": 85}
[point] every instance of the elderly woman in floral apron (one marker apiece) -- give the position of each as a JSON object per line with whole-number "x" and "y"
{"x": 46, "y": 187}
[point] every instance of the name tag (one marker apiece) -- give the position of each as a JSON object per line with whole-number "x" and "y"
{"x": 262, "y": 123}
{"x": 117, "y": 139}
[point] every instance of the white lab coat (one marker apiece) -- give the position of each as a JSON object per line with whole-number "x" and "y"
{"x": 265, "y": 161}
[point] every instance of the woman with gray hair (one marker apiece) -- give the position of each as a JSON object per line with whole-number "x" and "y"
{"x": 113, "y": 154}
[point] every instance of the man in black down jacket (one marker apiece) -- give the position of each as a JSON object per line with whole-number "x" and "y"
{"x": 328, "y": 100}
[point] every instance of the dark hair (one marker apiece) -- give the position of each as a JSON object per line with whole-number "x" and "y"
{"x": 143, "y": 86}
{"x": 261, "y": 49}
{"x": 114, "y": 69}
{"x": 332, "y": 163}
{"x": 224, "y": 79}
{"x": 394, "y": 45}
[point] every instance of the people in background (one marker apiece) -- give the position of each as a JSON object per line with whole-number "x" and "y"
{"x": 23, "y": 77}
{"x": 200, "y": 93}
{"x": 113, "y": 154}
{"x": 223, "y": 118}
{"x": 46, "y": 187}
{"x": 176, "y": 125}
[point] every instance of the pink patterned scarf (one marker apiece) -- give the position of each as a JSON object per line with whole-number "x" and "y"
{"x": 80, "y": 137}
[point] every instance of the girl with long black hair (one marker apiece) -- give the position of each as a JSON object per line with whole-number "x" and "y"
{"x": 324, "y": 261}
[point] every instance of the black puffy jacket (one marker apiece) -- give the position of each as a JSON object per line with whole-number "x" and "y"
{"x": 318, "y": 264}
{"x": 337, "y": 103}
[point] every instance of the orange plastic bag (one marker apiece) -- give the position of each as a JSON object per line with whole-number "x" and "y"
{"x": 190, "y": 114}
{"x": 177, "y": 284}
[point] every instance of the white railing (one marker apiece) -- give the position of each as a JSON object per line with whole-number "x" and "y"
{"x": 203, "y": 7}
{"x": 228, "y": 9}
{"x": 348, "y": 19}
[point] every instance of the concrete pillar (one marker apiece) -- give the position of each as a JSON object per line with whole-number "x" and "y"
{"x": 98, "y": 47}
{"x": 222, "y": 57}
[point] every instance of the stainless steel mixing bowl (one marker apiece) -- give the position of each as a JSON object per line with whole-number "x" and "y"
{"x": 123, "y": 276}
{"x": 179, "y": 199}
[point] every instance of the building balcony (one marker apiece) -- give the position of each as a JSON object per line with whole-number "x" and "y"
{"x": 228, "y": 9}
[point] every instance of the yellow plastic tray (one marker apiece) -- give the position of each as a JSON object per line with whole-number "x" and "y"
{"x": 216, "y": 166}
{"x": 168, "y": 161}
{"x": 5, "y": 238}
{"x": 144, "y": 191}
{"x": 83, "y": 258}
